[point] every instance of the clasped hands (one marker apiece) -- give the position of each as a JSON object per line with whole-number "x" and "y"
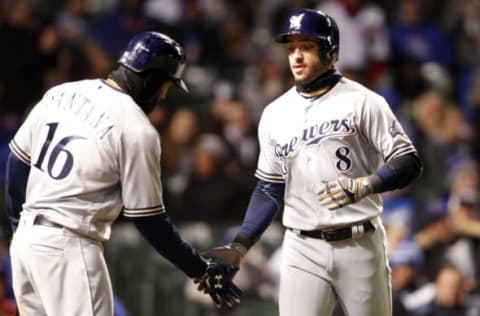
{"x": 217, "y": 280}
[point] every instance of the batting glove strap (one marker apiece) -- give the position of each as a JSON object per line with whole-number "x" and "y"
{"x": 231, "y": 254}
{"x": 238, "y": 247}
{"x": 343, "y": 191}
{"x": 217, "y": 283}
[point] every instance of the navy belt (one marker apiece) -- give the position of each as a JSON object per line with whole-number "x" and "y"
{"x": 337, "y": 234}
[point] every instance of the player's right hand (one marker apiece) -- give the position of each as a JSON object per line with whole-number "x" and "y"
{"x": 343, "y": 191}
{"x": 232, "y": 254}
{"x": 217, "y": 282}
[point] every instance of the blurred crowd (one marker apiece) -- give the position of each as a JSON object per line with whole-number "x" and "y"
{"x": 421, "y": 55}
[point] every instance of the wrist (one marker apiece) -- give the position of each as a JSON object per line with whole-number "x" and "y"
{"x": 242, "y": 243}
{"x": 370, "y": 184}
{"x": 238, "y": 247}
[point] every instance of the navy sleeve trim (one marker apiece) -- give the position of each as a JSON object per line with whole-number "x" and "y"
{"x": 17, "y": 173}
{"x": 265, "y": 202}
{"x": 162, "y": 234}
{"x": 398, "y": 173}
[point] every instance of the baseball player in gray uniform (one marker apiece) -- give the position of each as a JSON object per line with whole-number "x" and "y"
{"x": 86, "y": 152}
{"x": 328, "y": 147}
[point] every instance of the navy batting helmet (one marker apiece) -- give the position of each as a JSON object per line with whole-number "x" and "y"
{"x": 155, "y": 51}
{"x": 316, "y": 24}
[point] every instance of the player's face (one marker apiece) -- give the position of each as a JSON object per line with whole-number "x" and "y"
{"x": 304, "y": 59}
{"x": 163, "y": 90}
{"x": 157, "y": 97}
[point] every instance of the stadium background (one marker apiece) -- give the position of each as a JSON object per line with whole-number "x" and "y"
{"x": 421, "y": 55}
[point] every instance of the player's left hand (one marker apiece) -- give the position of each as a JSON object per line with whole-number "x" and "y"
{"x": 217, "y": 282}
{"x": 343, "y": 191}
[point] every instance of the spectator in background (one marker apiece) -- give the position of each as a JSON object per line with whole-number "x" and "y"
{"x": 73, "y": 18}
{"x": 428, "y": 111}
{"x": 20, "y": 73}
{"x": 194, "y": 30}
{"x": 474, "y": 96}
{"x": 464, "y": 179}
{"x": 406, "y": 262}
{"x": 434, "y": 236}
{"x": 7, "y": 299}
{"x": 365, "y": 43}
{"x": 208, "y": 194}
{"x": 240, "y": 135}
{"x": 415, "y": 39}
{"x": 226, "y": 41}
{"x": 462, "y": 21}
{"x": 465, "y": 221}
{"x": 457, "y": 134}
{"x": 177, "y": 157}
{"x": 399, "y": 212}
{"x": 113, "y": 29}
{"x": 416, "y": 35}
{"x": 178, "y": 142}
{"x": 263, "y": 82}
{"x": 452, "y": 231}
{"x": 449, "y": 295}
{"x": 229, "y": 117}
{"x": 62, "y": 52}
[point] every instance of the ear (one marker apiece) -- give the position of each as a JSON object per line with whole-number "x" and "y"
{"x": 334, "y": 56}
{"x": 328, "y": 58}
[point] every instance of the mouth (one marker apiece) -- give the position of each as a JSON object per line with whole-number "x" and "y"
{"x": 298, "y": 67}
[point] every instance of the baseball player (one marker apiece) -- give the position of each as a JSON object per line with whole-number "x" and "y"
{"x": 328, "y": 148}
{"x": 86, "y": 152}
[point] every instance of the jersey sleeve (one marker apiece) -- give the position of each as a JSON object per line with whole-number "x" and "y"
{"x": 269, "y": 166}
{"x": 383, "y": 129}
{"x": 22, "y": 142}
{"x": 140, "y": 170}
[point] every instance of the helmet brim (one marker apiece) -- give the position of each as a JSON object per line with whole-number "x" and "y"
{"x": 181, "y": 84}
{"x": 285, "y": 37}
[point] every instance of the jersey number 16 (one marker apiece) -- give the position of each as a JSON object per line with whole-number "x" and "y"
{"x": 55, "y": 153}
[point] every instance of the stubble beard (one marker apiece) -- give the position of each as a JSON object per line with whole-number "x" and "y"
{"x": 304, "y": 79}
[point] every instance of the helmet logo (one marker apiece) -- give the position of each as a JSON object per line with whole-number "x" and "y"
{"x": 296, "y": 22}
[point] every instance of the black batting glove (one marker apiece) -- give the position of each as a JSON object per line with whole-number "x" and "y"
{"x": 217, "y": 283}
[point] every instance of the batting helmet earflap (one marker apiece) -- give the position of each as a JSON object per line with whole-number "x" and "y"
{"x": 155, "y": 51}
{"x": 316, "y": 24}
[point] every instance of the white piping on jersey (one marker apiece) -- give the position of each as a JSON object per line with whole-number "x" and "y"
{"x": 400, "y": 151}
{"x": 144, "y": 211}
{"x": 22, "y": 155}
{"x": 269, "y": 177}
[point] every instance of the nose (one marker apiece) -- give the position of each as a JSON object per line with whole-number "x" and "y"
{"x": 297, "y": 54}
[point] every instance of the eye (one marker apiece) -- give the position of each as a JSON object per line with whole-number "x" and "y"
{"x": 291, "y": 48}
{"x": 308, "y": 46}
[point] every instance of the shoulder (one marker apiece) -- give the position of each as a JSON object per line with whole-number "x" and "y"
{"x": 281, "y": 102}
{"x": 355, "y": 89}
{"x": 137, "y": 126}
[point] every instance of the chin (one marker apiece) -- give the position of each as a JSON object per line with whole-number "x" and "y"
{"x": 302, "y": 80}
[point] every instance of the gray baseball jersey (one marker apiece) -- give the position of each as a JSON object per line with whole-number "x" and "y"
{"x": 349, "y": 131}
{"x": 82, "y": 140}
{"x": 304, "y": 142}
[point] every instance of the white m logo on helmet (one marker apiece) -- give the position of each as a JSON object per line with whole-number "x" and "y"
{"x": 296, "y": 21}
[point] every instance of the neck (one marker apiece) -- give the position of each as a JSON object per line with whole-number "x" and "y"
{"x": 112, "y": 83}
{"x": 320, "y": 84}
